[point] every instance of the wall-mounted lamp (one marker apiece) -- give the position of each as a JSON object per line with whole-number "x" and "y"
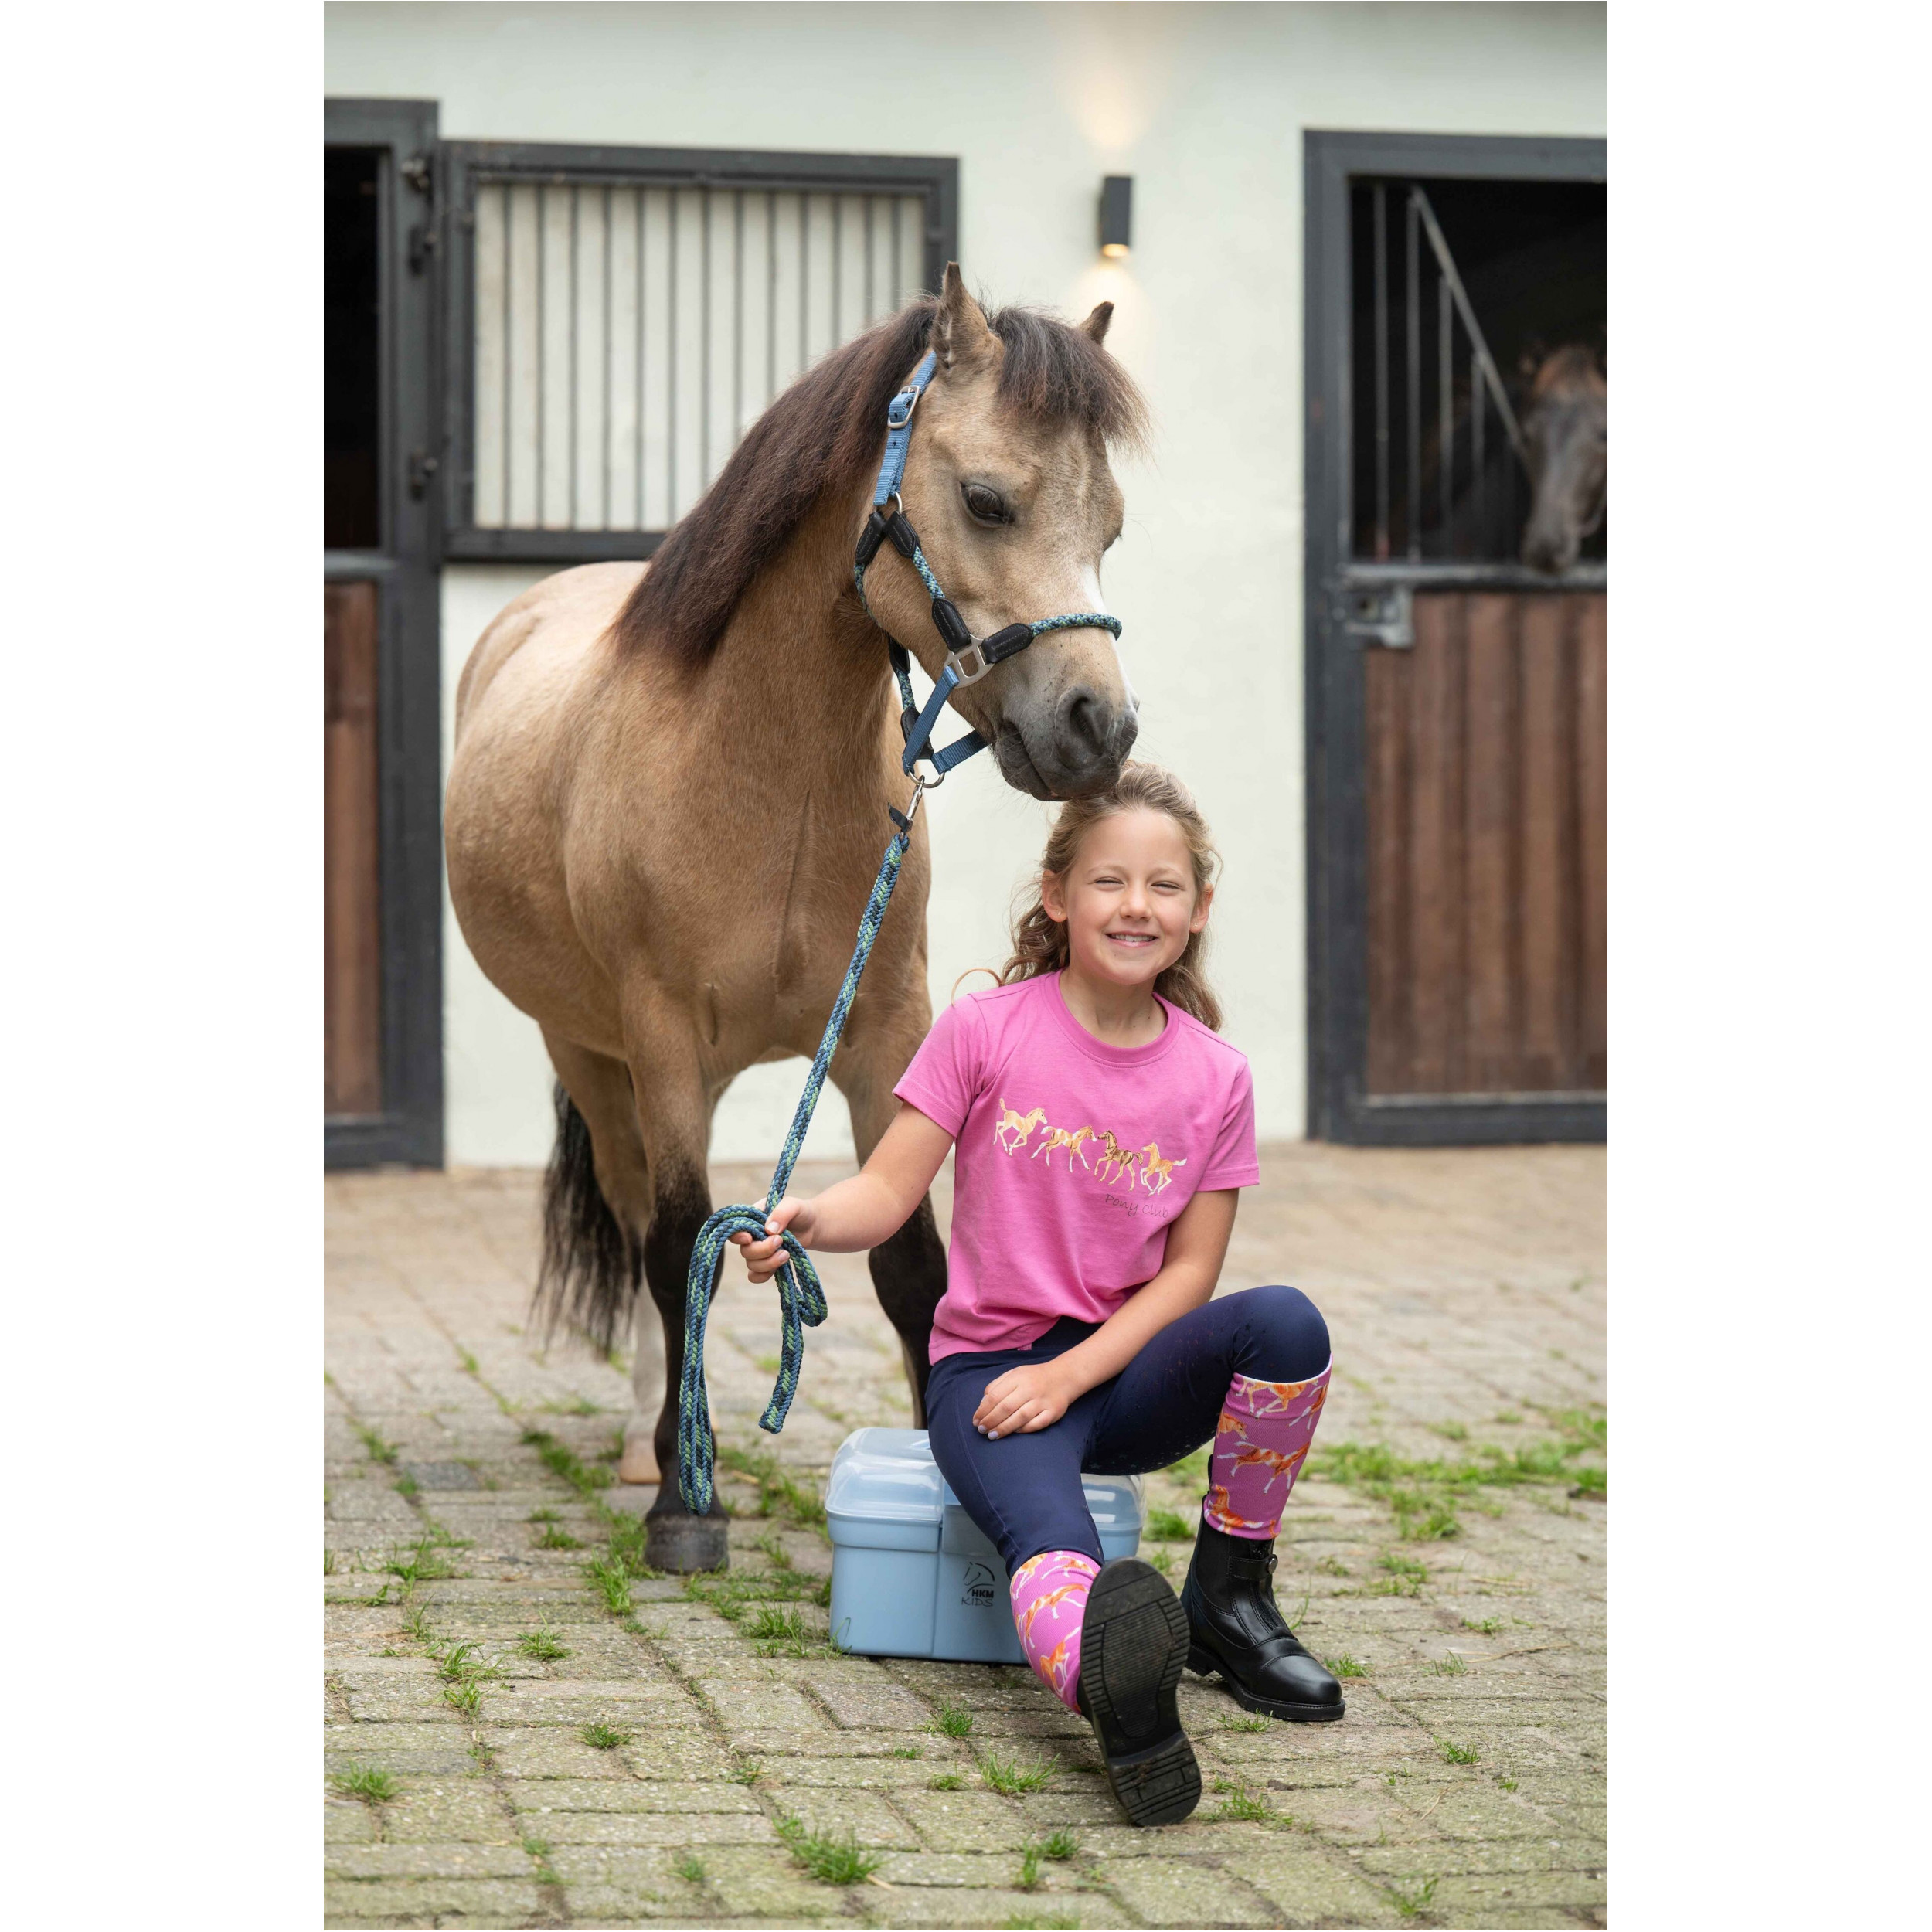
{"x": 1117, "y": 214}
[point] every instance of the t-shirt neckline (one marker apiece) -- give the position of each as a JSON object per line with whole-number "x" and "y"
{"x": 1099, "y": 1049}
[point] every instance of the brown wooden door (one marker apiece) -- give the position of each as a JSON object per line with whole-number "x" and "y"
{"x": 352, "y": 854}
{"x": 1485, "y": 798}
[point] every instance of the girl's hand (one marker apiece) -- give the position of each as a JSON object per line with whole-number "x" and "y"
{"x": 763, "y": 1259}
{"x": 1024, "y": 1399}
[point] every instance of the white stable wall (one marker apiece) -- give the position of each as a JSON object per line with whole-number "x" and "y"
{"x": 1204, "y": 106}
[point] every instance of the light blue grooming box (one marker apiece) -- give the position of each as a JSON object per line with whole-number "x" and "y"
{"x": 912, "y": 1575}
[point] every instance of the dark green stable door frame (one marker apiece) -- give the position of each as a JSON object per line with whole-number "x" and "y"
{"x": 1356, "y": 682}
{"x": 383, "y": 856}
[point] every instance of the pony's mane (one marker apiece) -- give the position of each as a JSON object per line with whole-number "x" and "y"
{"x": 823, "y": 435}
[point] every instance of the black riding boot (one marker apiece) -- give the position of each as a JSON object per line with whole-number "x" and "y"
{"x": 1134, "y": 1639}
{"x": 1235, "y": 1628}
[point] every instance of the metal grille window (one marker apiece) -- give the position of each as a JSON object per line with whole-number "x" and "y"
{"x": 621, "y": 317}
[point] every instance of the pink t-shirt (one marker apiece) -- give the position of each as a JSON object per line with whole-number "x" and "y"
{"x": 1071, "y": 1156}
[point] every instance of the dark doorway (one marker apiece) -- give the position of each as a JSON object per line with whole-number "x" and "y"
{"x": 351, "y": 349}
{"x": 382, "y": 1083}
{"x": 1456, "y": 708}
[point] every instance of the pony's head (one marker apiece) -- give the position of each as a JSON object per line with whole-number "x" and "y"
{"x": 1565, "y": 433}
{"x": 1008, "y": 483}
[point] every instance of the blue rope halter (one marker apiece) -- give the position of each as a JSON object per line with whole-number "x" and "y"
{"x": 801, "y": 1296}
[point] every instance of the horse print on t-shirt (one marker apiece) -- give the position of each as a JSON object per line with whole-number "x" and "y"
{"x": 1014, "y": 1129}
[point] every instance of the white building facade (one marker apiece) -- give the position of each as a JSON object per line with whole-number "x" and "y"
{"x": 1206, "y": 108}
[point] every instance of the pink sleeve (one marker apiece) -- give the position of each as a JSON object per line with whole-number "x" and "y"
{"x": 943, "y": 1080}
{"x": 1234, "y": 1162}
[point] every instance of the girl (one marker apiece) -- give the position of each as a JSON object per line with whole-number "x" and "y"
{"x": 1103, "y": 1128}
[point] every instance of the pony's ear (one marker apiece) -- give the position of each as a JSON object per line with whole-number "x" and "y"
{"x": 960, "y": 333}
{"x": 1096, "y": 324}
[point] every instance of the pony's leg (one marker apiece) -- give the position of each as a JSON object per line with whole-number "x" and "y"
{"x": 673, "y": 1115}
{"x": 909, "y": 1266}
{"x": 600, "y": 1088}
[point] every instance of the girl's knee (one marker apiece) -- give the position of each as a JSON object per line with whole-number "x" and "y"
{"x": 1287, "y": 1333}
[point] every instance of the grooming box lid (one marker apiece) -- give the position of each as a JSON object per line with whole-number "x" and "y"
{"x": 889, "y": 1475}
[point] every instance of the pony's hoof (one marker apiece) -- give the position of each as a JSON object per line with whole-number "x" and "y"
{"x": 682, "y": 1544}
{"x": 639, "y": 1463}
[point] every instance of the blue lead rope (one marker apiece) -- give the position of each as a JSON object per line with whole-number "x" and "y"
{"x": 801, "y": 1299}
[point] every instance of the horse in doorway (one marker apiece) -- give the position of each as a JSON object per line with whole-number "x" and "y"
{"x": 670, "y": 785}
{"x": 1565, "y": 430}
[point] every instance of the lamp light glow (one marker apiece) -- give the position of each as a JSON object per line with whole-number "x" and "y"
{"x": 1117, "y": 215}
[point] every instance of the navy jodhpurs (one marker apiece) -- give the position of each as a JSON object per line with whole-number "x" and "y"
{"x": 1024, "y": 1490}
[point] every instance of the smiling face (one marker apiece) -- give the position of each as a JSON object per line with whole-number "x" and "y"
{"x": 1128, "y": 899}
{"x": 1014, "y": 510}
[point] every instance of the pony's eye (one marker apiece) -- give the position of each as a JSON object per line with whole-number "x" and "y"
{"x": 985, "y": 505}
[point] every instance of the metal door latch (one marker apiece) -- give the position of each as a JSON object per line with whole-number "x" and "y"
{"x": 423, "y": 468}
{"x": 1377, "y": 614}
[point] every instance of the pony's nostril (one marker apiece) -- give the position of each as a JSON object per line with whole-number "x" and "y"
{"x": 1084, "y": 727}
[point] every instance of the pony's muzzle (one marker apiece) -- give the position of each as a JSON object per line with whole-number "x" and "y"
{"x": 1091, "y": 738}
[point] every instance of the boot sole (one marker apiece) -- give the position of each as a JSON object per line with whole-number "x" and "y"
{"x": 1133, "y": 1644}
{"x": 1205, "y": 1664}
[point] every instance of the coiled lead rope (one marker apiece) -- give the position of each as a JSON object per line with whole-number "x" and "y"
{"x": 801, "y": 1298}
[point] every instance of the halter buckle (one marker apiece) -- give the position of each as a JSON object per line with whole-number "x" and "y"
{"x": 969, "y": 665}
{"x": 896, "y": 416}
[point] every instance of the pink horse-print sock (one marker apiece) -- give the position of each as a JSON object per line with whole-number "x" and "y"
{"x": 1259, "y": 1444}
{"x": 1049, "y": 1596}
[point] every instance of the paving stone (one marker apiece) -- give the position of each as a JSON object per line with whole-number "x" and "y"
{"x": 1312, "y": 1886}
{"x": 401, "y": 1748}
{"x": 1481, "y": 1812}
{"x": 1353, "y": 1815}
{"x": 757, "y": 1883}
{"x": 875, "y": 1704}
{"x": 364, "y": 1903}
{"x": 347, "y": 1821}
{"x": 1547, "y": 1853}
{"x": 761, "y": 1709}
{"x": 914, "y": 1907}
{"x": 1467, "y": 1896}
{"x": 536, "y": 1796}
{"x": 543, "y": 1752}
{"x": 506, "y": 1860}
{"x": 418, "y": 1701}
{"x": 965, "y": 1821}
{"x": 875, "y": 1771}
{"x": 1179, "y": 1892}
{"x": 449, "y": 1814}
{"x": 986, "y": 1870}
{"x": 654, "y": 1828}
{"x": 868, "y": 1817}
{"x": 621, "y": 1705}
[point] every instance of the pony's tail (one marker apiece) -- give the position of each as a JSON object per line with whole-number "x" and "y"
{"x": 589, "y": 1273}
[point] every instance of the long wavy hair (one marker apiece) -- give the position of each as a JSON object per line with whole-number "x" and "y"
{"x": 1039, "y": 941}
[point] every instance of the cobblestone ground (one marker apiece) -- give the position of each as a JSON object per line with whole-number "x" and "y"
{"x": 535, "y": 1744}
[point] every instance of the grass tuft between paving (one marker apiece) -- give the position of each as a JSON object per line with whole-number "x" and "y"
{"x": 833, "y": 1860}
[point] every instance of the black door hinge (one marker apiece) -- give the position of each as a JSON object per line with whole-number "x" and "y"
{"x": 420, "y": 172}
{"x": 422, "y": 469}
